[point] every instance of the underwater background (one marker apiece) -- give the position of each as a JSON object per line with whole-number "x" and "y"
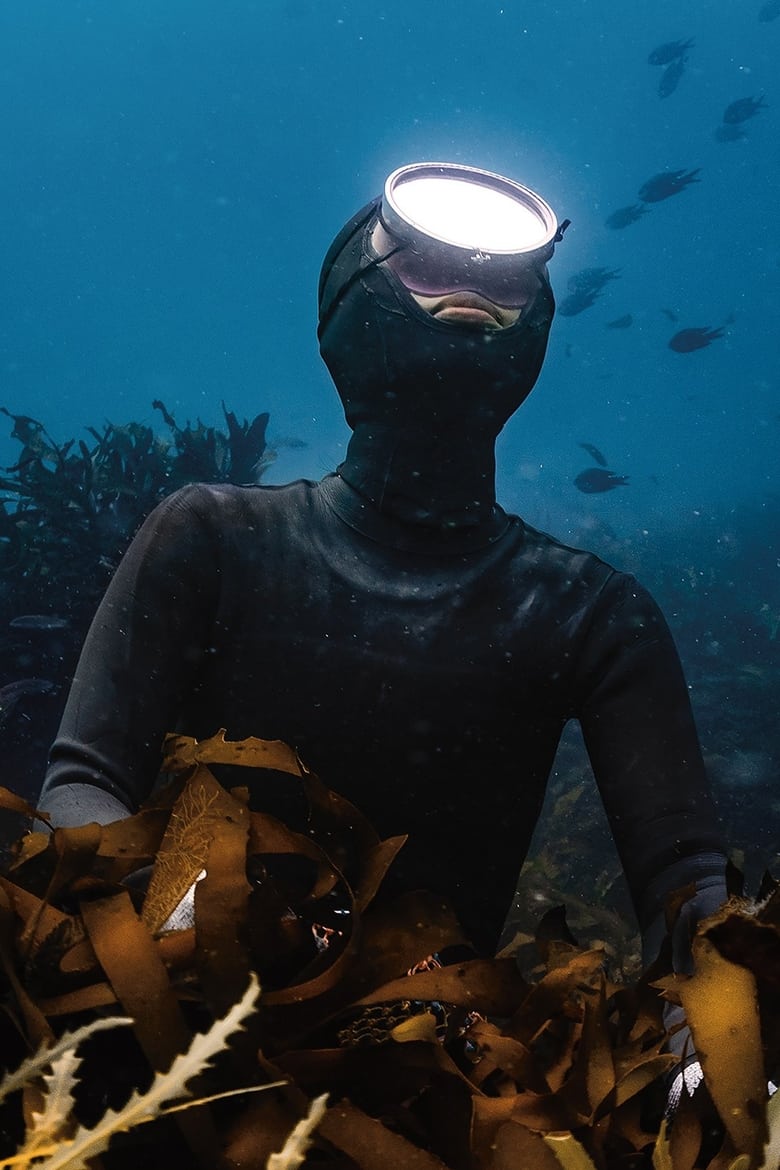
{"x": 172, "y": 173}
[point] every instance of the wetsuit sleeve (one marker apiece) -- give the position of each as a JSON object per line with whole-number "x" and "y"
{"x": 143, "y": 650}
{"x": 639, "y": 731}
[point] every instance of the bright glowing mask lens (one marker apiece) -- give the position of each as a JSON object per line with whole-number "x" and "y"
{"x": 469, "y": 215}
{"x": 445, "y": 227}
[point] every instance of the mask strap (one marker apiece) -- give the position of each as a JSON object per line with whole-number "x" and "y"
{"x": 561, "y": 229}
{"x": 348, "y": 283}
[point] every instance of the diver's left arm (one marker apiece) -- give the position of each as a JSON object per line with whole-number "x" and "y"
{"x": 640, "y": 734}
{"x": 639, "y": 730}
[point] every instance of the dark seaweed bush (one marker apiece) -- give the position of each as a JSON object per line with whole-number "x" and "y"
{"x": 69, "y": 510}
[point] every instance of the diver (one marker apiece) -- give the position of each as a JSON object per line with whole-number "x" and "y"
{"x": 421, "y": 648}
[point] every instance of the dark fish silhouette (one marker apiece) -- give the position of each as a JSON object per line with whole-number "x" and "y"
{"x": 39, "y": 621}
{"x": 670, "y": 78}
{"x": 585, "y": 288}
{"x": 598, "y": 479}
{"x": 12, "y": 692}
{"x": 594, "y": 453}
{"x": 589, "y": 280}
{"x": 742, "y": 109}
{"x": 726, "y": 133}
{"x": 670, "y": 313}
{"x": 769, "y": 11}
{"x": 665, "y": 184}
{"x": 621, "y": 322}
{"x": 626, "y": 215}
{"x": 576, "y": 303}
{"x": 669, "y": 51}
{"x": 696, "y": 337}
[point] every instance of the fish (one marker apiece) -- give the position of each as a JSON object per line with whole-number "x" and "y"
{"x": 742, "y": 109}
{"x": 670, "y": 313}
{"x": 589, "y": 280}
{"x": 769, "y": 11}
{"x": 594, "y": 453}
{"x": 670, "y": 78}
{"x": 598, "y": 479}
{"x": 625, "y": 216}
{"x": 12, "y": 692}
{"x": 621, "y": 322}
{"x": 695, "y": 337}
{"x": 669, "y": 51}
{"x": 576, "y": 303}
{"x": 39, "y": 621}
{"x": 665, "y": 184}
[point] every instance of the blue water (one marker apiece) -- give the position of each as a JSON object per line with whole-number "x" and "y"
{"x": 172, "y": 173}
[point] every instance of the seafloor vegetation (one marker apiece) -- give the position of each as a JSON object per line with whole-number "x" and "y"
{"x": 466, "y": 1065}
{"x": 483, "y": 1068}
{"x": 67, "y": 513}
{"x": 70, "y": 509}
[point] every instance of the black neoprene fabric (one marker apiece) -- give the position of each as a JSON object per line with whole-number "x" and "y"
{"x": 419, "y": 647}
{"x": 430, "y": 689}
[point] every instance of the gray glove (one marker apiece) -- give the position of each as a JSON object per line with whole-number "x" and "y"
{"x": 182, "y": 917}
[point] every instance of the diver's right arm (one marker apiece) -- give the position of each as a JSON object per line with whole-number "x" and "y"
{"x": 147, "y": 639}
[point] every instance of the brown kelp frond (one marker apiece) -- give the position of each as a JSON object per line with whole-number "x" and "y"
{"x": 426, "y": 1063}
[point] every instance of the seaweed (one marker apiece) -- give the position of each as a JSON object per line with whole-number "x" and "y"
{"x": 53, "y": 1133}
{"x": 67, "y": 513}
{"x": 461, "y": 1065}
{"x": 70, "y": 509}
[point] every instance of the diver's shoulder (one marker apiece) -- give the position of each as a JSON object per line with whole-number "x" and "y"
{"x": 545, "y": 545}
{"x": 582, "y": 570}
{"x": 223, "y": 501}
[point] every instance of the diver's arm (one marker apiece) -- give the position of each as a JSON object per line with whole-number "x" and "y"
{"x": 147, "y": 638}
{"x": 642, "y": 741}
{"x": 70, "y": 805}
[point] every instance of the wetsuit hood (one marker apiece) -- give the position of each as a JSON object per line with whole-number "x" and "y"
{"x": 425, "y": 398}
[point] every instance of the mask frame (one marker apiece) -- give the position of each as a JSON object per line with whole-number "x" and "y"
{"x": 446, "y": 227}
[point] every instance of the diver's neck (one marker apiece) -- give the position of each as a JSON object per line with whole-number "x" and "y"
{"x": 446, "y": 483}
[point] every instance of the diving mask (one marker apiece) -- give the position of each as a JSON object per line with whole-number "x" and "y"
{"x": 445, "y": 228}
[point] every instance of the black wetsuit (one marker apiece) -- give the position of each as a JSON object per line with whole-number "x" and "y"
{"x": 421, "y": 649}
{"x": 428, "y": 681}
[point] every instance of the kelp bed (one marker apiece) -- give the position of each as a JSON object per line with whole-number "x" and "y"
{"x": 426, "y": 1063}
